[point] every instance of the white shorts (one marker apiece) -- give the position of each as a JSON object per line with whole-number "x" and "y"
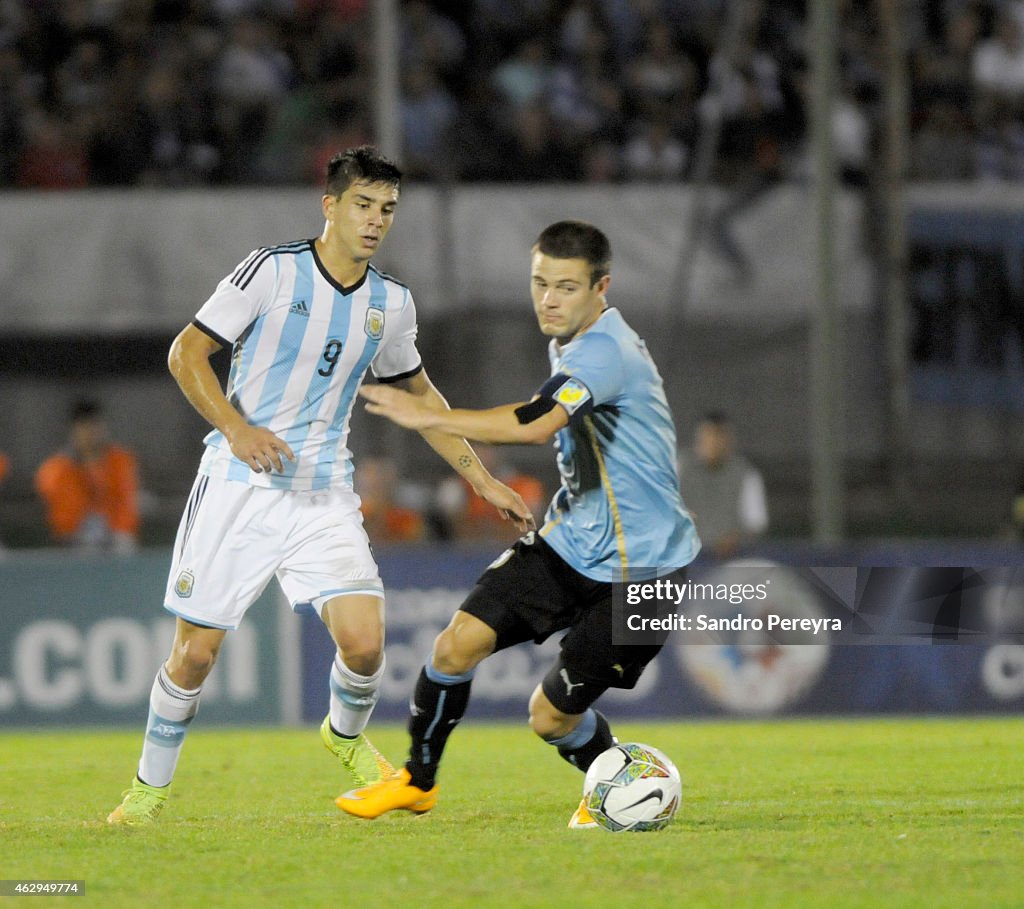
{"x": 233, "y": 537}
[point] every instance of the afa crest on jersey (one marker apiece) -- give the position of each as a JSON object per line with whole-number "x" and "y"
{"x": 374, "y": 324}
{"x": 183, "y": 585}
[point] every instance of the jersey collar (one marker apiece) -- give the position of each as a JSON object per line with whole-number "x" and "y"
{"x": 352, "y": 288}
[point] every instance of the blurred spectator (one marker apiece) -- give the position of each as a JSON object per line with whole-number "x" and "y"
{"x": 477, "y": 155}
{"x": 536, "y": 153}
{"x": 294, "y": 136}
{"x": 655, "y": 155}
{"x": 53, "y": 156}
{"x": 944, "y": 67}
{"x": 329, "y": 107}
{"x": 428, "y": 114}
{"x": 746, "y": 95}
{"x": 524, "y": 78}
{"x": 934, "y": 303}
{"x": 602, "y": 163}
{"x": 430, "y": 39}
{"x": 584, "y": 98}
{"x": 661, "y": 75}
{"x": 943, "y": 147}
{"x": 331, "y": 137}
{"x": 998, "y": 66}
{"x": 18, "y": 90}
{"x": 851, "y": 129}
{"x": 340, "y": 64}
{"x": 1000, "y": 145}
{"x": 469, "y": 517}
{"x": 253, "y": 70}
{"x": 175, "y": 142}
{"x": 498, "y": 26}
{"x": 975, "y": 291}
{"x": 253, "y": 76}
{"x": 861, "y": 48}
{"x": 90, "y": 489}
{"x": 722, "y": 490}
{"x": 117, "y": 146}
{"x": 182, "y": 92}
{"x": 630, "y": 22}
{"x": 82, "y": 80}
{"x": 386, "y": 521}
{"x": 579, "y": 23}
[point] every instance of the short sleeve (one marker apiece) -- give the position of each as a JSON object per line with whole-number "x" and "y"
{"x": 240, "y": 298}
{"x": 595, "y": 362}
{"x": 397, "y": 357}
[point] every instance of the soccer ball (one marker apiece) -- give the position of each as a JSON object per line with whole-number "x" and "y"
{"x": 632, "y": 787}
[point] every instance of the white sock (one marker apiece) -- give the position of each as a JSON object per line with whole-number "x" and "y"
{"x": 171, "y": 709}
{"x": 352, "y": 697}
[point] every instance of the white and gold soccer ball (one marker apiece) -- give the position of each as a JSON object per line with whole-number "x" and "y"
{"x": 632, "y": 786}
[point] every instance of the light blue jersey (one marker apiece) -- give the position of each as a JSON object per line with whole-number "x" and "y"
{"x": 619, "y": 508}
{"x": 301, "y": 345}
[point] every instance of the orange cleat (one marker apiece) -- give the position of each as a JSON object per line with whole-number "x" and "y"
{"x": 582, "y": 819}
{"x": 392, "y": 794}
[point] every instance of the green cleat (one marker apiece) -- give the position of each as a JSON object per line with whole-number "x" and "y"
{"x": 141, "y": 804}
{"x": 364, "y": 762}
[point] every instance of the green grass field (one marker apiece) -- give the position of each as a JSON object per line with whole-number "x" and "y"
{"x": 803, "y": 813}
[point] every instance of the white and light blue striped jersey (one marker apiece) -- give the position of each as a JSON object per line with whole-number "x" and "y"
{"x": 618, "y": 509}
{"x": 301, "y": 345}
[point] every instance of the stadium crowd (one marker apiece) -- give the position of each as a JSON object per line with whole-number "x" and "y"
{"x": 197, "y": 92}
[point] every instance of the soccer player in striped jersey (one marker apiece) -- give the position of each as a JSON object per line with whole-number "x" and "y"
{"x": 304, "y": 321}
{"x": 618, "y": 516}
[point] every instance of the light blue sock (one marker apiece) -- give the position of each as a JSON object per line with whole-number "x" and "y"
{"x": 353, "y": 697}
{"x": 579, "y": 737}
{"x": 443, "y": 678}
{"x": 171, "y": 709}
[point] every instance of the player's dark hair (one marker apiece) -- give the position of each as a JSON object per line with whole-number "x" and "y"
{"x": 362, "y": 163}
{"x": 577, "y": 240}
{"x": 85, "y": 409}
{"x": 715, "y": 417}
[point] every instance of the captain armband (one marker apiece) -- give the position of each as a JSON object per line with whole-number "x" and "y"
{"x": 527, "y": 413}
{"x": 561, "y": 389}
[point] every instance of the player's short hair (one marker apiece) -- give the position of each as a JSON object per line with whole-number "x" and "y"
{"x": 577, "y": 240}
{"x": 85, "y": 409}
{"x": 717, "y": 418}
{"x": 362, "y": 163}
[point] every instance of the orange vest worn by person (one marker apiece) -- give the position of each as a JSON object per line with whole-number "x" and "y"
{"x": 391, "y": 524}
{"x": 106, "y": 487}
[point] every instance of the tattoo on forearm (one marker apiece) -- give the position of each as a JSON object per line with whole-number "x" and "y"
{"x": 465, "y": 461}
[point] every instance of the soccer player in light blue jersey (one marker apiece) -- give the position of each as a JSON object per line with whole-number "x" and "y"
{"x": 617, "y": 512}
{"x": 305, "y": 321}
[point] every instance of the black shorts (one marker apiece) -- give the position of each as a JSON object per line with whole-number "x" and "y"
{"x": 530, "y": 593}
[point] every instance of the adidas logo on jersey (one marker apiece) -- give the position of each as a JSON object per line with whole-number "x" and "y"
{"x": 300, "y": 307}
